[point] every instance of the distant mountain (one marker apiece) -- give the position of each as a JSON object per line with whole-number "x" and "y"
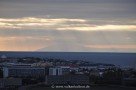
{"x": 122, "y": 59}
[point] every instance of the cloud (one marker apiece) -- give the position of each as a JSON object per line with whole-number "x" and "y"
{"x": 102, "y": 27}
{"x": 111, "y": 46}
{"x": 59, "y": 24}
{"x": 36, "y": 23}
{"x": 66, "y": 34}
{"x": 22, "y": 38}
{"x": 28, "y": 43}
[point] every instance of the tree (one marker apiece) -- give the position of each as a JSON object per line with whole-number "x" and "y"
{"x": 113, "y": 76}
{"x": 1, "y": 73}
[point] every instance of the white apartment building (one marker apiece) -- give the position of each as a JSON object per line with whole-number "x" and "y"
{"x": 62, "y": 70}
{"x": 23, "y": 71}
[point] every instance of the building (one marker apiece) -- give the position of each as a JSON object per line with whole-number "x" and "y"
{"x": 97, "y": 66}
{"x": 3, "y": 58}
{"x": 7, "y": 82}
{"x": 88, "y": 67}
{"x": 67, "y": 80}
{"x": 16, "y": 65}
{"x": 135, "y": 65}
{"x": 62, "y": 70}
{"x": 23, "y": 71}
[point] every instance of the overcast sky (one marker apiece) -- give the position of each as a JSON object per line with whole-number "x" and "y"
{"x": 68, "y": 25}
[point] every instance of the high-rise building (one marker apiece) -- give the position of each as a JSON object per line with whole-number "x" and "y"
{"x": 59, "y": 70}
{"x": 23, "y": 71}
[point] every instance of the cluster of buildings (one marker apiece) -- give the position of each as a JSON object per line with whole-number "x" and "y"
{"x": 74, "y": 73}
{"x": 28, "y": 70}
{"x": 67, "y": 80}
{"x": 51, "y": 74}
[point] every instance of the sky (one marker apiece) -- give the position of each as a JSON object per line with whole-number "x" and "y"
{"x": 68, "y": 25}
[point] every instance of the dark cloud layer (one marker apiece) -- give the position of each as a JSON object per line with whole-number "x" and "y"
{"x": 69, "y": 8}
{"x": 77, "y": 1}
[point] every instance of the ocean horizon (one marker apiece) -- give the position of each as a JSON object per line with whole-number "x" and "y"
{"x": 117, "y": 58}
